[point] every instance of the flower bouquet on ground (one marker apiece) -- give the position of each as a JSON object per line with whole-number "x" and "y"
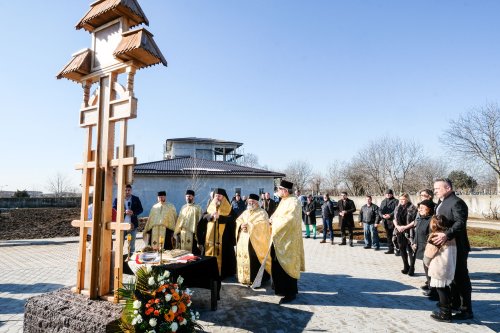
{"x": 157, "y": 304}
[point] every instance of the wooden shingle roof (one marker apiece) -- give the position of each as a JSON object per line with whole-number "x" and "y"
{"x": 78, "y": 66}
{"x": 186, "y": 166}
{"x": 138, "y": 45}
{"x": 104, "y": 11}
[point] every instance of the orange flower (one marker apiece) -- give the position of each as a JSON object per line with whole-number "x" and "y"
{"x": 157, "y": 300}
{"x": 148, "y": 311}
{"x": 156, "y": 313}
{"x": 182, "y": 307}
{"x": 175, "y": 296}
{"x": 169, "y": 316}
{"x": 148, "y": 305}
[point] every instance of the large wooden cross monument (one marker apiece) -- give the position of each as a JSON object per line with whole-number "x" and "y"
{"x": 117, "y": 52}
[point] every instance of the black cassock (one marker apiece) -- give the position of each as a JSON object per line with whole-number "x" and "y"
{"x": 228, "y": 265}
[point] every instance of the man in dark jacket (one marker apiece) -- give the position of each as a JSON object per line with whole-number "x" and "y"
{"x": 268, "y": 204}
{"x": 368, "y": 218}
{"x": 346, "y": 218}
{"x": 386, "y": 213}
{"x": 327, "y": 214}
{"x": 133, "y": 207}
{"x": 456, "y": 211}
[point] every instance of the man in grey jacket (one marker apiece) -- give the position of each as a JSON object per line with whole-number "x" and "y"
{"x": 368, "y": 218}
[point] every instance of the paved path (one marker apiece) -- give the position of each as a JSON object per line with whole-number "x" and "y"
{"x": 344, "y": 289}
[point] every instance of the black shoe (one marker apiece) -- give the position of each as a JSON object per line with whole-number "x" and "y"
{"x": 411, "y": 271}
{"x": 377, "y": 248}
{"x": 430, "y": 292}
{"x": 307, "y": 237}
{"x": 351, "y": 245}
{"x": 343, "y": 243}
{"x": 441, "y": 316}
{"x": 389, "y": 252}
{"x": 424, "y": 287}
{"x": 287, "y": 299}
{"x": 454, "y": 308}
{"x": 397, "y": 254}
{"x": 405, "y": 271}
{"x": 463, "y": 315}
{"x": 367, "y": 247}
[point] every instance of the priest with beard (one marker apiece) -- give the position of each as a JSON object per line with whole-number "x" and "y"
{"x": 216, "y": 231}
{"x": 253, "y": 234}
{"x": 185, "y": 229}
{"x": 287, "y": 249}
{"x": 161, "y": 223}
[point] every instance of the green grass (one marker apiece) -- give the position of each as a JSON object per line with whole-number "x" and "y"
{"x": 478, "y": 237}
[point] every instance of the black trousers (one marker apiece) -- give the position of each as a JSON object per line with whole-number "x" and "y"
{"x": 461, "y": 288}
{"x": 407, "y": 253}
{"x": 343, "y": 232}
{"x": 389, "y": 232}
{"x": 284, "y": 284}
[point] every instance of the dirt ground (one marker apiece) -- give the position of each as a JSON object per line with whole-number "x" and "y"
{"x": 32, "y": 223}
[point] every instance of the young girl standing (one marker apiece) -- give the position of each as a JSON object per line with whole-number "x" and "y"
{"x": 441, "y": 262}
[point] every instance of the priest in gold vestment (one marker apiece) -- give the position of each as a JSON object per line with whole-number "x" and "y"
{"x": 185, "y": 228}
{"x": 287, "y": 250}
{"x": 161, "y": 223}
{"x": 253, "y": 234}
{"x": 216, "y": 231}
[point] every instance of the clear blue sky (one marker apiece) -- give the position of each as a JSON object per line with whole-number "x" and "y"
{"x": 311, "y": 80}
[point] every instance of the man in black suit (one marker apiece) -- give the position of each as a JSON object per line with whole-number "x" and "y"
{"x": 456, "y": 212}
{"x": 133, "y": 207}
{"x": 346, "y": 218}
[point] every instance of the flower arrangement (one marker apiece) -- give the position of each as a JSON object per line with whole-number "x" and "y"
{"x": 156, "y": 304}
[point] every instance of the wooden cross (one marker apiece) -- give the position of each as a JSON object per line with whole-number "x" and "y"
{"x": 111, "y": 104}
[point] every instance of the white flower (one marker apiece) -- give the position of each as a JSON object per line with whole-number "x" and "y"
{"x": 138, "y": 319}
{"x": 149, "y": 268}
{"x": 152, "y": 331}
{"x": 151, "y": 280}
{"x": 136, "y": 312}
{"x": 166, "y": 274}
{"x": 183, "y": 322}
{"x": 189, "y": 304}
{"x": 152, "y": 322}
{"x": 168, "y": 297}
{"x": 134, "y": 321}
{"x": 174, "y": 327}
{"x": 174, "y": 309}
{"x": 197, "y": 315}
{"x": 137, "y": 304}
{"x": 180, "y": 279}
{"x": 189, "y": 291}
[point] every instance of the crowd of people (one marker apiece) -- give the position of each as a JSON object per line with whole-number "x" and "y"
{"x": 435, "y": 233}
{"x": 257, "y": 238}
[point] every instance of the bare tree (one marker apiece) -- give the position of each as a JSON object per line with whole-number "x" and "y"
{"x": 249, "y": 160}
{"x": 403, "y": 159}
{"x": 316, "y": 180}
{"x": 354, "y": 180}
{"x": 299, "y": 173}
{"x": 476, "y": 135}
{"x": 373, "y": 161}
{"x": 333, "y": 177}
{"x": 197, "y": 180}
{"x": 426, "y": 171}
{"x": 59, "y": 185}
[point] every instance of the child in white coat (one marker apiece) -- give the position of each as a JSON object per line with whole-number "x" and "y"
{"x": 442, "y": 262}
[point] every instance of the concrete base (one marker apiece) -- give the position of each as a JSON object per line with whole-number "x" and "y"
{"x": 65, "y": 311}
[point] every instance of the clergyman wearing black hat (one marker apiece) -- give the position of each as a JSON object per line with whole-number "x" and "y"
{"x": 159, "y": 229}
{"x": 216, "y": 231}
{"x": 287, "y": 250}
{"x": 187, "y": 222}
